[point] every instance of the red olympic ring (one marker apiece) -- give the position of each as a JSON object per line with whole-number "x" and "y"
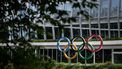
{"x": 98, "y": 37}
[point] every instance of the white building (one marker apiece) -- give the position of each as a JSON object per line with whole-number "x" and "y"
{"x": 107, "y": 21}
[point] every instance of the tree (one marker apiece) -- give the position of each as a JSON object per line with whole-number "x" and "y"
{"x": 20, "y": 16}
{"x": 26, "y": 15}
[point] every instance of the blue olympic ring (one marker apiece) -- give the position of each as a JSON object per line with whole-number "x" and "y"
{"x": 58, "y": 44}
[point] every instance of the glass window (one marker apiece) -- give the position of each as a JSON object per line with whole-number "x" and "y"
{"x": 68, "y": 6}
{"x": 120, "y": 33}
{"x": 98, "y": 56}
{"x": 94, "y": 12}
{"x": 77, "y": 25}
{"x": 59, "y": 54}
{"x": 57, "y": 33}
{"x": 74, "y": 12}
{"x": 117, "y": 50}
{"x": 94, "y": 25}
{"x": 114, "y": 34}
{"x": 121, "y": 8}
{"x": 104, "y": 25}
{"x": 104, "y": 33}
{"x": 114, "y": 7}
{"x": 67, "y": 32}
{"x": 85, "y": 25}
{"x": 117, "y": 58}
{"x": 40, "y": 52}
{"x": 85, "y": 33}
{"x": 104, "y": 8}
{"x": 107, "y": 55}
{"x": 50, "y": 53}
{"x": 66, "y": 25}
{"x": 49, "y": 34}
{"x": 94, "y": 32}
{"x": 45, "y": 52}
{"x": 113, "y": 26}
{"x": 76, "y": 32}
{"x": 54, "y": 54}
{"x": 120, "y": 25}
{"x": 87, "y": 54}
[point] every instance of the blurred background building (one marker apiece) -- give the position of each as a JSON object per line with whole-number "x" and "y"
{"x": 106, "y": 20}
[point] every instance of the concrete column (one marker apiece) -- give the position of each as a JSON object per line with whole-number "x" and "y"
{"x": 77, "y": 59}
{"x": 62, "y": 34}
{"x": 112, "y": 54}
{"x": 61, "y": 57}
{"x": 43, "y": 53}
{"x": 44, "y": 32}
{"x": 103, "y": 56}
{"x": 99, "y": 9}
{"x": 80, "y": 23}
{"x": 53, "y": 31}
{"x": 118, "y": 19}
{"x": 109, "y": 19}
{"x": 71, "y": 31}
{"x": 94, "y": 58}
{"x": 56, "y": 55}
{"x": 90, "y": 27}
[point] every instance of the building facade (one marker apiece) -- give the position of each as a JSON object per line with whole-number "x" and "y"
{"x": 110, "y": 53}
{"x": 106, "y": 20}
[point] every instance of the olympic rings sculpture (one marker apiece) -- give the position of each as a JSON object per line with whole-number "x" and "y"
{"x": 79, "y": 49}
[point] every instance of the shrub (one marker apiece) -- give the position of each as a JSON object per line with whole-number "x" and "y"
{"x": 92, "y": 66}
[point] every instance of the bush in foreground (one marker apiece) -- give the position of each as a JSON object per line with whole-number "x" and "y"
{"x": 91, "y": 66}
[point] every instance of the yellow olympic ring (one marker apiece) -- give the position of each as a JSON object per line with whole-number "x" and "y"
{"x": 74, "y": 56}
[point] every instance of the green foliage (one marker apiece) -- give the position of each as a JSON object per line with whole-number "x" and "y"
{"x": 18, "y": 16}
{"x": 92, "y": 66}
{"x": 49, "y": 64}
{"x": 23, "y": 57}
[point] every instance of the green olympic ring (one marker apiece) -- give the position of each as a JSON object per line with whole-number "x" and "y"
{"x": 80, "y": 50}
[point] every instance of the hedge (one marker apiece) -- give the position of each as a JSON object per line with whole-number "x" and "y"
{"x": 90, "y": 66}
